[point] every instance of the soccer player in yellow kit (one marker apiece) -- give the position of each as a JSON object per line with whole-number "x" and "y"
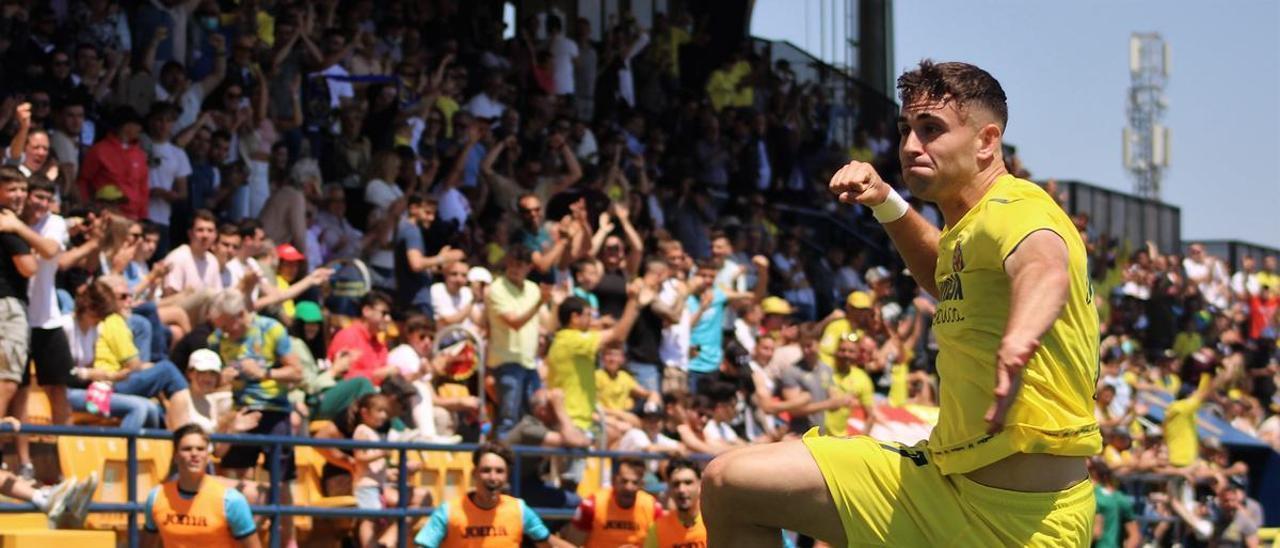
{"x": 1018, "y": 352}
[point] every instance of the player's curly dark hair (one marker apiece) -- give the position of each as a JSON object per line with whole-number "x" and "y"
{"x": 965, "y": 84}
{"x": 495, "y": 448}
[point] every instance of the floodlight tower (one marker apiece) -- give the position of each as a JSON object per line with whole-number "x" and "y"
{"x": 1146, "y": 139}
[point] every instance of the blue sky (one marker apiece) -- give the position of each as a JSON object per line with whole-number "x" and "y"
{"x": 1064, "y": 66}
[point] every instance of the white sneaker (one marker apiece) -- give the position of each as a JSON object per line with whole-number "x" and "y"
{"x": 56, "y": 500}
{"x": 77, "y": 504}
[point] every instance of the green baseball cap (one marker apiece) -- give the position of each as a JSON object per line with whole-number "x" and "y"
{"x": 308, "y": 312}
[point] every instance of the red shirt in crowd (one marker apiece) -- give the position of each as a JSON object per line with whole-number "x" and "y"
{"x": 1261, "y": 312}
{"x": 113, "y": 162}
{"x": 372, "y": 352}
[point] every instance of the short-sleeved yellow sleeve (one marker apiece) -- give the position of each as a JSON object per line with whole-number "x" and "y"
{"x": 615, "y": 392}
{"x": 571, "y": 366}
{"x": 1180, "y": 431}
{"x": 830, "y": 340}
{"x": 114, "y": 347}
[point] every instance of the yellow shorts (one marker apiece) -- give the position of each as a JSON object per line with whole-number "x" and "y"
{"x": 892, "y": 494}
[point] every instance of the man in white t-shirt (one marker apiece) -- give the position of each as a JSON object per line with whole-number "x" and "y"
{"x": 563, "y": 53}
{"x": 175, "y": 87}
{"x": 1245, "y": 281}
{"x": 192, "y": 265}
{"x": 340, "y": 89}
{"x": 168, "y": 170}
{"x": 670, "y": 304}
{"x": 486, "y": 105}
{"x": 1209, "y": 275}
{"x": 452, "y": 302}
{"x": 649, "y": 437}
{"x": 52, "y": 355}
{"x": 723, "y": 410}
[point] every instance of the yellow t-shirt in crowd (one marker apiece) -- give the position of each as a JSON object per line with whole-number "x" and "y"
{"x": 507, "y": 345}
{"x": 854, "y": 382}
{"x": 1269, "y": 280}
{"x": 1180, "y": 427}
{"x": 1054, "y": 410}
{"x": 615, "y": 391}
{"x": 571, "y": 365}
{"x": 287, "y": 307}
{"x": 832, "y": 334}
{"x": 447, "y": 107}
{"x": 114, "y": 347}
{"x": 898, "y": 389}
{"x": 1187, "y": 343}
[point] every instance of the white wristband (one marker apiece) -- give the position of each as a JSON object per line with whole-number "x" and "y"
{"x": 891, "y": 209}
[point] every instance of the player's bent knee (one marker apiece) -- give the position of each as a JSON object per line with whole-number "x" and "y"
{"x": 716, "y": 482}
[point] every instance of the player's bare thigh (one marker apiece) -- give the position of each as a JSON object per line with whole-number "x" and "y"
{"x": 750, "y": 493}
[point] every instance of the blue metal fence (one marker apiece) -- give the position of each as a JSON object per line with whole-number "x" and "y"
{"x": 402, "y": 513}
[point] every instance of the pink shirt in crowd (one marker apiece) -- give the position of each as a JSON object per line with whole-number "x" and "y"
{"x": 190, "y": 272}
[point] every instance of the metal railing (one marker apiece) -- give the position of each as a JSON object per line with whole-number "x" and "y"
{"x": 401, "y": 513}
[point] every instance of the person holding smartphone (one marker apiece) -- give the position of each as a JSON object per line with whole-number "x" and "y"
{"x": 257, "y": 349}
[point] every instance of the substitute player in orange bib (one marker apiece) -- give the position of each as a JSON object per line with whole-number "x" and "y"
{"x": 1017, "y": 334}
{"x": 682, "y": 526}
{"x": 618, "y": 516}
{"x": 486, "y": 517}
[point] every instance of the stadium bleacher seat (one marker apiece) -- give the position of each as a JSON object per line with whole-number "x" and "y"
{"x": 593, "y": 476}
{"x": 31, "y": 530}
{"x": 43, "y": 538}
{"x": 108, "y": 457}
{"x": 447, "y": 474}
{"x": 308, "y": 491}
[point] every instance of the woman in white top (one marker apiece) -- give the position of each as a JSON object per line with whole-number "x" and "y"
{"x": 209, "y": 407}
{"x": 94, "y": 304}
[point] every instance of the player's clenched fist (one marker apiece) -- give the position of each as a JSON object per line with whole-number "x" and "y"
{"x": 858, "y": 183}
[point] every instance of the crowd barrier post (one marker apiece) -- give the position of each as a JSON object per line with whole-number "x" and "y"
{"x": 131, "y": 448}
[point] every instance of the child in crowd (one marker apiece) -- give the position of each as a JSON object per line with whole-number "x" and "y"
{"x": 371, "y": 471}
{"x": 374, "y": 479}
{"x": 618, "y": 392}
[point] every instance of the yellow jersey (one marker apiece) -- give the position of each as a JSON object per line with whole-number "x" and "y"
{"x": 1054, "y": 409}
{"x": 614, "y": 392}
{"x": 1180, "y": 427}
{"x": 571, "y": 367}
{"x": 854, "y": 382}
{"x": 832, "y": 334}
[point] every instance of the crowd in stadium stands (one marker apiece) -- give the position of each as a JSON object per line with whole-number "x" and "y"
{"x": 401, "y": 220}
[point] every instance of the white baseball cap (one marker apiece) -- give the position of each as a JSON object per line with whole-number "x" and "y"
{"x": 479, "y": 274}
{"x": 204, "y": 360}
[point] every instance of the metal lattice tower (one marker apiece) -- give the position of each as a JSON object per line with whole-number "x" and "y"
{"x": 1146, "y": 139}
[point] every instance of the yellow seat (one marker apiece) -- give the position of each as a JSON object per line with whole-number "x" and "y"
{"x": 593, "y": 476}
{"x": 30, "y": 520}
{"x": 108, "y": 457}
{"x": 308, "y": 491}
{"x": 447, "y": 474}
{"x": 310, "y": 465}
{"x": 42, "y": 538}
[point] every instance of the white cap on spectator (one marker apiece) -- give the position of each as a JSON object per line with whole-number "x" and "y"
{"x": 204, "y": 360}
{"x": 876, "y": 273}
{"x": 479, "y": 274}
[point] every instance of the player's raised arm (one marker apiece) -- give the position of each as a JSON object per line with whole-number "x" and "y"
{"x": 915, "y": 238}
